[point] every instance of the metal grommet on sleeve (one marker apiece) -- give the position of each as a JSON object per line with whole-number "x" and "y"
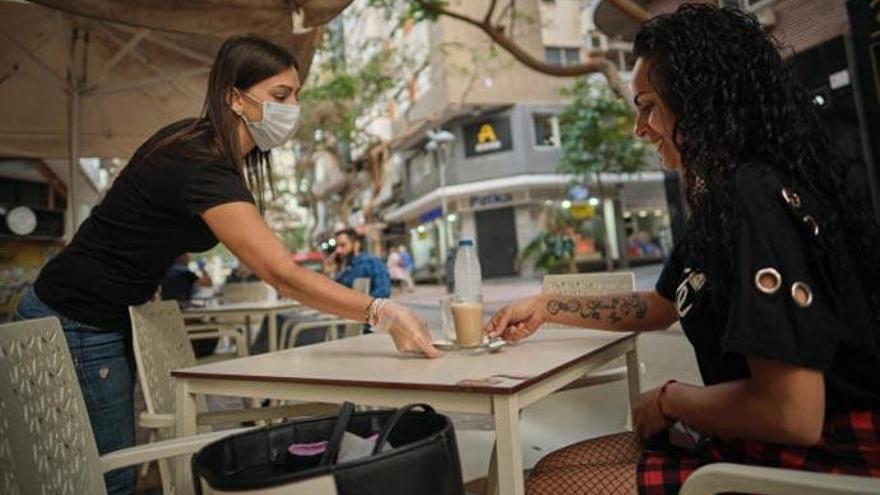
{"x": 812, "y": 225}
{"x": 768, "y": 280}
{"x": 792, "y": 198}
{"x": 802, "y": 294}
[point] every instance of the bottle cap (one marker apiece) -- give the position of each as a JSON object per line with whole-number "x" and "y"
{"x": 465, "y": 242}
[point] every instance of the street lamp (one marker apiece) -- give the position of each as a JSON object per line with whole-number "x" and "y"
{"x": 438, "y": 141}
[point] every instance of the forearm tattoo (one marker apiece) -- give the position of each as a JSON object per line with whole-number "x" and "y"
{"x": 614, "y": 309}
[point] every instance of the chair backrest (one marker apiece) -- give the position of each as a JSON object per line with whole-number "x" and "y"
{"x": 160, "y": 346}
{"x": 361, "y": 284}
{"x": 244, "y": 292}
{"x": 46, "y": 442}
{"x": 588, "y": 284}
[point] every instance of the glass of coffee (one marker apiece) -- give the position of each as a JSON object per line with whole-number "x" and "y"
{"x": 467, "y": 313}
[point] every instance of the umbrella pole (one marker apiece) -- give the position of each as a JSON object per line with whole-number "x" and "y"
{"x": 73, "y": 123}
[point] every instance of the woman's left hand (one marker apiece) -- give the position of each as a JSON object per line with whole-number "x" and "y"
{"x": 647, "y": 420}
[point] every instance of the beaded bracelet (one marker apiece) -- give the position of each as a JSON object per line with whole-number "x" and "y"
{"x": 369, "y": 309}
{"x": 375, "y": 307}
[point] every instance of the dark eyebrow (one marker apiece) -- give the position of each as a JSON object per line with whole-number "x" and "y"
{"x": 636, "y": 97}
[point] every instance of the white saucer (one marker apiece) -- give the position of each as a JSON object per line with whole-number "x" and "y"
{"x": 493, "y": 345}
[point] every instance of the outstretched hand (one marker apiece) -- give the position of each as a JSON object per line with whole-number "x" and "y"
{"x": 518, "y": 320}
{"x": 409, "y": 332}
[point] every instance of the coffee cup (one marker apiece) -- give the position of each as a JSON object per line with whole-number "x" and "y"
{"x": 467, "y": 314}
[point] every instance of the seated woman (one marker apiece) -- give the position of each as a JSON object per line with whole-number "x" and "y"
{"x": 775, "y": 283}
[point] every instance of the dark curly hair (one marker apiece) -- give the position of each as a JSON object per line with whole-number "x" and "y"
{"x": 736, "y": 100}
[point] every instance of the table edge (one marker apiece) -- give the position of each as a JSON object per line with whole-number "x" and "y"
{"x": 409, "y": 386}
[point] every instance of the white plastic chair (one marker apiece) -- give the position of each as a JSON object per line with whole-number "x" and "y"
{"x": 161, "y": 346}
{"x": 237, "y": 329}
{"x": 334, "y": 327}
{"x": 237, "y": 292}
{"x": 724, "y": 477}
{"x": 361, "y": 284}
{"x": 46, "y": 441}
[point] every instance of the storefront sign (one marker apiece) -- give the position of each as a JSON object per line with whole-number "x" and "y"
{"x": 582, "y": 211}
{"x": 491, "y": 199}
{"x": 487, "y": 136}
{"x": 431, "y": 215}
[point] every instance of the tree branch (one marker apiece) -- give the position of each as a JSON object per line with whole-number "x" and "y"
{"x": 632, "y": 9}
{"x": 595, "y": 63}
{"x": 488, "y": 18}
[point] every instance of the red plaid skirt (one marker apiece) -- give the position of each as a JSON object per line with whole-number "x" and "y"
{"x": 850, "y": 445}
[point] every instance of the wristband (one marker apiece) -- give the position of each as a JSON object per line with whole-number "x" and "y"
{"x": 669, "y": 419}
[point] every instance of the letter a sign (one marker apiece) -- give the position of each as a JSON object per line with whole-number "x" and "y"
{"x": 487, "y": 136}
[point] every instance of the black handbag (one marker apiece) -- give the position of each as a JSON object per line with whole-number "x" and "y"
{"x": 415, "y": 453}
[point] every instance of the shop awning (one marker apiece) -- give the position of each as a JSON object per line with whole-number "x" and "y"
{"x": 526, "y": 181}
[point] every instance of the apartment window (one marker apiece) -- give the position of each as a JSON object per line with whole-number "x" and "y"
{"x": 560, "y": 55}
{"x": 546, "y": 130}
{"x": 622, "y": 58}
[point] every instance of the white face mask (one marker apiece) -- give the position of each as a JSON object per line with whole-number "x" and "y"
{"x": 277, "y": 125}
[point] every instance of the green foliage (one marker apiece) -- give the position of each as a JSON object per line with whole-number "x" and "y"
{"x": 417, "y": 11}
{"x": 338, "y": 98}
{"x": 597, "y": 132}
{"x": 553, "y": 253}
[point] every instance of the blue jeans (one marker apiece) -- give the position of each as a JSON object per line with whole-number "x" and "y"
{"x": 103, "y": 367}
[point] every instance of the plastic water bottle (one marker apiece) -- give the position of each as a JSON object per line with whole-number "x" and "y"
{"x": 468, "y": 281}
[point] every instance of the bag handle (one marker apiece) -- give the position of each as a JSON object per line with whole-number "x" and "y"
{"x": 335, "y": 441}
{"x": 392, "y": 422}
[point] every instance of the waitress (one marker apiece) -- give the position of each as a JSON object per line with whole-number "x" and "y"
{"x": 192, "y": 184}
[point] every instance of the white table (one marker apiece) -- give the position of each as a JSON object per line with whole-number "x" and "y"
{"x": 268, "y": 308}
{"x": 367, "y": 370}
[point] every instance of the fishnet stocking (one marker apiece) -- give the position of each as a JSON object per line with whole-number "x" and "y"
{"x": 601, "y": 479}
{"x": 611, "y": 449}
{"x": 605, "y": 465}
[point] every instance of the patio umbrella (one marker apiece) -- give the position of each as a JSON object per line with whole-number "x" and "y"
{"x": 97, "y": 77}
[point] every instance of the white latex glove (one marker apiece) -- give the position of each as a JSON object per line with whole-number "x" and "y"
{"x": 410, "y": 333}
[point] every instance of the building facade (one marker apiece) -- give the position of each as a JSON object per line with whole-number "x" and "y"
{"x": 494, "y": 175}
{"x": 496, "y": 180}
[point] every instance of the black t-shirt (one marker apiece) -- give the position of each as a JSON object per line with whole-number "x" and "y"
{"x": 148, "y": 218}
{"x": 836, "y": 333}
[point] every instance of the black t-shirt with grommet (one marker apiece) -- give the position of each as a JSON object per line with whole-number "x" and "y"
{"x": 149, "y": 217}
{"x": 829, "y": 327}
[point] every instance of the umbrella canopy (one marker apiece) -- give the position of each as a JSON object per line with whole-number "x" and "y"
{"x": 97, "y": 77}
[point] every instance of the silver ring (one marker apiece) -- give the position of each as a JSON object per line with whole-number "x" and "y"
{"x": 812, "y": 224}
{"x": 791, "y": 197}
{"x": 773, "y": 274}
{"x": 795, "y": 287}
